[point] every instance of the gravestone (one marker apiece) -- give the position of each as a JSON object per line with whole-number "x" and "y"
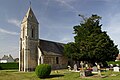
{"x": 69, "y": 68}
{"x": 95, "y": 69}
{"x": 82, "y": 72}
{"x": 111, "y": 65}
{"x": 116, "y": 69}
{"x": 117, "y": 65}
{"x": 75, "y": 67}
{"x": 86, "y": 66}
{"x": 99, "y": 72}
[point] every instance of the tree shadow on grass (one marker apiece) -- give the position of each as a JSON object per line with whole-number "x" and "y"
{"x": 53, "y": 76}
{"x": 58, "y": 75}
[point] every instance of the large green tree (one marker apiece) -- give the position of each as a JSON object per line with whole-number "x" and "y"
{"x": 91, "y": 43}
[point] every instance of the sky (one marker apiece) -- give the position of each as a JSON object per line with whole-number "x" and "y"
{"x": 56, "y": 20}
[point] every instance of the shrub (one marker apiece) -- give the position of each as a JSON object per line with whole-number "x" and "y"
{"x": 113, "y": 62}
{"x": 43, "y": 70}
{"x": 9, "y": 66}
{"x": 0, "y": 68}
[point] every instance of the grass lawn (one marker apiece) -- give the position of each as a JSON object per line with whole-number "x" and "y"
{"x": 56, "y": 75}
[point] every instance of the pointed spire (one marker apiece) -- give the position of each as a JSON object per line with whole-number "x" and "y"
{"x": 30, "y": 15}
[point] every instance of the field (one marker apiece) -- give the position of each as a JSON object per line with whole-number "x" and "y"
{"x": 56, "y": 75}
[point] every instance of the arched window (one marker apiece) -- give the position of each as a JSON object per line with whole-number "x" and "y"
{"x": 57, "y": 60}
{"x": 32, "y": 33}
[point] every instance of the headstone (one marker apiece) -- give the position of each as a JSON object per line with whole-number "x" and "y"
{"x": 99, "y": 72}
{"x": 75, "y": 67}
{"x": 116, "y": 69}
{"x": 69, "y": 68}
{"x": 111, "y": 65}
{"x": 86, "y": 65}
{"x": 98, "y": 66}
{"x": 95, "y": 63}
{"x": 82, "y": 72}
{"x": 117, "y": 65}
{"x": 95, "y": 69}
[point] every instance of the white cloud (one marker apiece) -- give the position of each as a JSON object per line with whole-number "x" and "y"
{"x": 8, "y": 32}
{"x": 66, "y": 39}
{"x": 113, "y": 28}
{"x": 113, "y": 24}
{"x": 110, "y": 0}
{"x": 14, "y": 22}
{"x": 66, "y": 3}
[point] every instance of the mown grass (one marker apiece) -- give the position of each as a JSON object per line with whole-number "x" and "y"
{"x": 56, "y": 75}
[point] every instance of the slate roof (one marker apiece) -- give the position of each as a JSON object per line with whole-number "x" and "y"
{"x": 51, "y": 48}
{"x": 6, "y": 57}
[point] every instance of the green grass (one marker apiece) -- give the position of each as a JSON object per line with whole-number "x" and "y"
{"x": 55, "y": 75}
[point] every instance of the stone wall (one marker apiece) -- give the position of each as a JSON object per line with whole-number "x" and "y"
{"x": 56, "y": 64}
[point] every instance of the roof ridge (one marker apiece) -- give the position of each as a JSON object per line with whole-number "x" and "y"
{"x": 51, "y": 41}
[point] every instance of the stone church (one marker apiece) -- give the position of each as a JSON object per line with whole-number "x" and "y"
{"x": 34, "y": 51}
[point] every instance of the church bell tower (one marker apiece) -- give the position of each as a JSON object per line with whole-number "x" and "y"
{"x": 29, "y": 37}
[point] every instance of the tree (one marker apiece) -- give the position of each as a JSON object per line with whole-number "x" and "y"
{"x": 91, "y": 43}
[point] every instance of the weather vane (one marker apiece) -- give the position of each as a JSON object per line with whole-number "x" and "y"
{"x": 30, "y": 3}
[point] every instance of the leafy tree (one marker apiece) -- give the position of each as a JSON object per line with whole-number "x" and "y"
{"x": 91, "y": 43}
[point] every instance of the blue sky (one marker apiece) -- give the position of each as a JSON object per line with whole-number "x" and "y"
{"x": 56, "y": 20}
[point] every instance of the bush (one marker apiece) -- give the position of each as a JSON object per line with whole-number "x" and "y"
{"x": 105, "y": 64}
{"x": 43, "y": 70}
{"x": 0, "y": 68}
{"x": 9, "y": 66}
{"x": 113, "y": 62}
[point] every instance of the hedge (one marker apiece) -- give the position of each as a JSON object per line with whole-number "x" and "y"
{"x": 4, "y": 66}
{"x": 113, "y": 62}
